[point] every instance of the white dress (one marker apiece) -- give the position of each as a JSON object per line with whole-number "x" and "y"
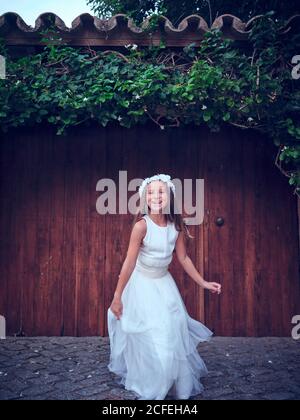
{"x": 153, "y": 346}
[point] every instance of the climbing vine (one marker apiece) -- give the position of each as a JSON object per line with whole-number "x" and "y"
{"x": 216, "y": 82}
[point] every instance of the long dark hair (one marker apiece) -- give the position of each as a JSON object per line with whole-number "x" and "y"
{"x": 173, "y": 217}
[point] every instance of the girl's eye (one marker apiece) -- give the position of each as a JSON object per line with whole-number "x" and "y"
{"x": 160, "y": 192}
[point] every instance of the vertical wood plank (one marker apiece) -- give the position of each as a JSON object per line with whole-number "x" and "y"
{"x": 97, "y": 232}
{"x": 70, "y": 278}
{"x": 29, "y": 235}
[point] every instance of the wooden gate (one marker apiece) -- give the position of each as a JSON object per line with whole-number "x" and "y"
{"x": 60, "y": 259}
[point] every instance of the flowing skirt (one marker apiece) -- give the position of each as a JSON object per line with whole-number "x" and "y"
{"x": 153, "y": 346}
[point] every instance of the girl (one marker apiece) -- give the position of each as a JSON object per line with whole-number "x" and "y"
{"x": 153, "y": 340}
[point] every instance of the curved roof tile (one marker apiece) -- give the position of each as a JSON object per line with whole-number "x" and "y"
{"x": 120, "y": 30}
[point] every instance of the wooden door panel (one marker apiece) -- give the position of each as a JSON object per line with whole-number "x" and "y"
{"x": 254, "y": 253}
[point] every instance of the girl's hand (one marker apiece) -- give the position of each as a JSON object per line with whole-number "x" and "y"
{"x": 117, "y": 308}
{"x": 213, "y": 287}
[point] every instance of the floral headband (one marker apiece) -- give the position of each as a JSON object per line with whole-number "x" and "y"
{"x": 160, "y": 177}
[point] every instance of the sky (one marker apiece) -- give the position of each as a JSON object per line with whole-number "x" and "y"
{"x": 29, "y": 10}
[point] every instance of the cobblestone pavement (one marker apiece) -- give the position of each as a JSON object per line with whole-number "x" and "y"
{"x": 76, "y": 368}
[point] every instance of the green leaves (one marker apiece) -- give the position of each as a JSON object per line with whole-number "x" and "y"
{"x": 207, "y": 116}
{"x": 226, "y": 117}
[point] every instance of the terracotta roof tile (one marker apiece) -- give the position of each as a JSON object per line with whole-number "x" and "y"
{"x": 120, "y": 30}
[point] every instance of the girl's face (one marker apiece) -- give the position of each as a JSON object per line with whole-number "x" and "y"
{"x": 157, "y": 196}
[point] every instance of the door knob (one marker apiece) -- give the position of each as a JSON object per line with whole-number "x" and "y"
{"x": 220, "y": 221}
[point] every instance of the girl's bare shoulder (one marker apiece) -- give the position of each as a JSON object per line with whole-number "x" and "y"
{"x": 141, "y": 227}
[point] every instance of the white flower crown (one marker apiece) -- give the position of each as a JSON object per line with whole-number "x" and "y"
{"x": 160, "y": 177}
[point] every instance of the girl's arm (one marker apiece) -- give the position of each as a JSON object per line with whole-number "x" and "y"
{"x": 189, "y": 267}
{"x": 136, "y": 237}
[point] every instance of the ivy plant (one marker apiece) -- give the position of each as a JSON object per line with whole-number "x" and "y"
{"x": 215, "y": 82}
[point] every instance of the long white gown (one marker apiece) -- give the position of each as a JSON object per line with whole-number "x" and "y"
{"x": 153, "y": 346}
